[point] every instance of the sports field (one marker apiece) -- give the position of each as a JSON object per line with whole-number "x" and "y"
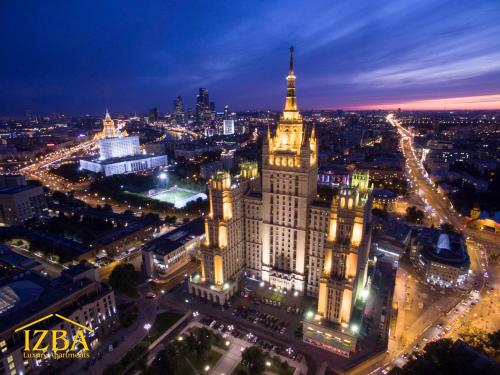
{"x": 179, "y": 197}
{"x": 173, "y": 195}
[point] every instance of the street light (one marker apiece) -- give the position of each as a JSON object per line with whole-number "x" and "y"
{"x": 147, "y": 327}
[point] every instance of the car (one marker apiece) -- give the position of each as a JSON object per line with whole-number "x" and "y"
{"x": 150, "y": 295}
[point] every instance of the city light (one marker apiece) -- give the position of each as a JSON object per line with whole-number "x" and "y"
{"x": 364, "y": 294}
{"x": 305, "y": 235}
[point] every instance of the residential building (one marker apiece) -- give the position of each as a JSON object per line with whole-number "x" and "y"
{"x": 168, "y": 253}
{"x": 27, "y": 296}
{"x": 384, "y": 199}
{"x": 274, "y": 229}
{"x": 441, "y": 257}
{"x": 19, "y": 200}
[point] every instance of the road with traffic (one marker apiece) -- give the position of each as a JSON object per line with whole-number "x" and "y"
{"x": 446, "y": 316}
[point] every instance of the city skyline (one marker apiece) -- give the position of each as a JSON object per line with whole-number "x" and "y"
{"x": 410, "y": 54}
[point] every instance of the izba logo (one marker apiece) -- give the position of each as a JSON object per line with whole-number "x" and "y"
{"x": 55, "y": 343}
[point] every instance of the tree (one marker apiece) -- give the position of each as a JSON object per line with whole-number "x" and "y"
{"x": 167, "y": 360}
{"x": 414, "y": 215}
{"x": 123, "y": 279}
{"x": 380, "y": 213}
{"x": 107, "y": 207}
{"x": 254, "y": 359}
{"x": 152, "y": 217}
{"x": 447, "y": 227}
{"x": 170, "y": 219}
{"x": 442, "y": 357}
{"x": 128, "y": 213}
{"x": 203, "y": 341}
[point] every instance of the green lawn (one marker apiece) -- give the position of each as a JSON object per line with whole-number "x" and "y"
{"x": 211, "y": 360}
{"x": 172, "y": 195}
{"x": 163, "y": 322}
{"x": 280, "y": 370}
{"x": 185, "y": 369}
{"x": 216, "y": 339}
{"x": 275, "y": 367}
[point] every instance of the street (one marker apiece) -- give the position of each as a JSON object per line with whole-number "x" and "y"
{"x": 445, "y": 316}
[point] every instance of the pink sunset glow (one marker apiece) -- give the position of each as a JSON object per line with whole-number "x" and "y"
{"x": 466, "y": 102}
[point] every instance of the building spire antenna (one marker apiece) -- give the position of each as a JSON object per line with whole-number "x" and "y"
{"x": 291, "y": 60}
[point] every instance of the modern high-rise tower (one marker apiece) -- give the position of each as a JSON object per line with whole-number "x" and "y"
{"x": 203, "y": 112}
{"x": 272, "y": 227}
{"x": 179, "y": 111}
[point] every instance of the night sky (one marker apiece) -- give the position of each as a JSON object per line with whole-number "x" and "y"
{"x": 80, "y": 57}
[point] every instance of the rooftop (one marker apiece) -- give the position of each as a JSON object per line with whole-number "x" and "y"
{"x": 384, "y": 193}
{"x": 446, "y": 248}
{"x": 17, "y": 189}
{"x": 15, "y": 259}
{"x": 174, "y": 239}
{"x": 124, "y": 158}
{"x": 26, "y": 294}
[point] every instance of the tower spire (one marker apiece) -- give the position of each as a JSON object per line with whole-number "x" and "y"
{"x": 291, "y": 100}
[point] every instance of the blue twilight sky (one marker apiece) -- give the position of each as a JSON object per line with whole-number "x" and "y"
{"x": 78, "y": 57}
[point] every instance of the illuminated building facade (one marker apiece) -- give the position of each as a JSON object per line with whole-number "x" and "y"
{"x": 274, "y": 229}
{"x": 109, "y": 130}
{"x": 289, "y": 183}
{"x": 344, "y": 277}
{"x": 119, "y": 153}
{"x": 441, "y": 258}
{"x": 28, "y": 295}
{"x": 179, "y": 111}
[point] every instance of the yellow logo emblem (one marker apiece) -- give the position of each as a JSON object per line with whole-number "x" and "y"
{"x": 55, "y": 343}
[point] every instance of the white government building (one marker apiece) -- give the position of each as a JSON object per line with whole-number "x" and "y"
{"x": 119, "y": 154}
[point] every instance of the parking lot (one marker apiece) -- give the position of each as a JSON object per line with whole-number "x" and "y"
{"x": 267, "y": 347}
{"x": 253, "y": 316}
{"x": 273, "y": 311}
{"x": 278, "y": 311}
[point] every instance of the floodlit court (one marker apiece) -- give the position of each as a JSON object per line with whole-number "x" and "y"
{"x": 178, "y": 196}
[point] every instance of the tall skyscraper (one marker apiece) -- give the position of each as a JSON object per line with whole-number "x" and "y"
{"x": 203, "y": 112}
{"x": 179, "y": 111}
{"x": 153, "y": 115}
{"x": 273, "y": 228}
{"x": 289, "y": 177}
